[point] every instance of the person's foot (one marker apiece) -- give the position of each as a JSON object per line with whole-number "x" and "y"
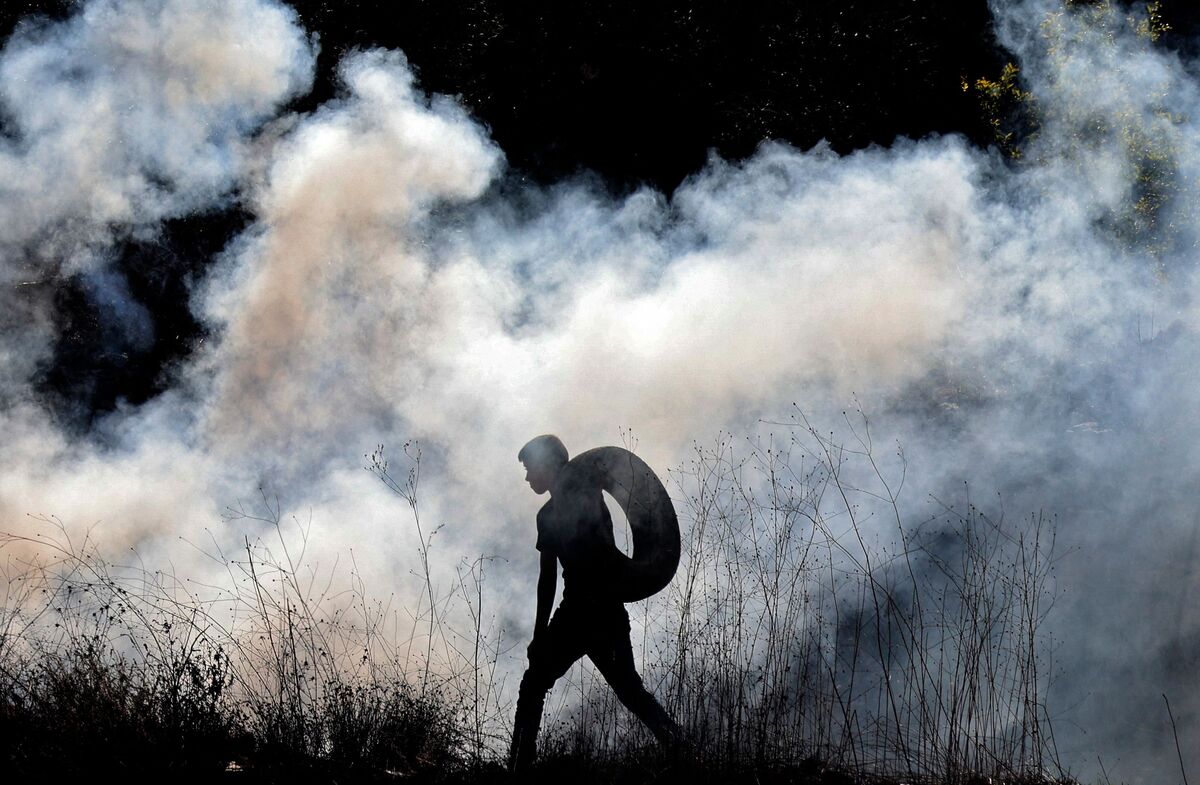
{"x": 521, "y": 753}
{"x": 676, "y": 747}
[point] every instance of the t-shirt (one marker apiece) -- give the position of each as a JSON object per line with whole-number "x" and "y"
{"x": 578, "y": 529}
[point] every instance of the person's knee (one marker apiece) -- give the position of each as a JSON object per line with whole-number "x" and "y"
{"x": 630, "y": 691}
{"x": 535, "y": 683}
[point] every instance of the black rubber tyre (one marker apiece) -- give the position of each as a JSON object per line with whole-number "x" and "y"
{"x": 644, "y": 500}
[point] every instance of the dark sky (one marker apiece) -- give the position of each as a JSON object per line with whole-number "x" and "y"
{"x": 633, "y": 93}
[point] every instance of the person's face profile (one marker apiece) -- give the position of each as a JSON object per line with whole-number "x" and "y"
{"x": 539, "y": 476}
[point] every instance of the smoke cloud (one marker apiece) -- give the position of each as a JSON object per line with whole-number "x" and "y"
{"x": 127, "y": 114}
{"x": 1023, "y": 327}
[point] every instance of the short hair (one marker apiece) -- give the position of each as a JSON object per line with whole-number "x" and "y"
{"x": 546, "y": 448}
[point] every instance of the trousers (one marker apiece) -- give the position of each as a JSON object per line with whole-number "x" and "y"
{"x": 602, "y": 633}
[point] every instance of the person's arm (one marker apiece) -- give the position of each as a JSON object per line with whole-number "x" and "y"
{"x": 546, "y": 586}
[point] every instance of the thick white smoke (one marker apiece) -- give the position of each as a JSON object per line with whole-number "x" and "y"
{"x": 125, "y": 115}
{"x": 993, "y": 317}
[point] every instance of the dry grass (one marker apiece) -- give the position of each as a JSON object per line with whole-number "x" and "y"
{"x": 811, "y": 635}
{"x": 809, "y": 622}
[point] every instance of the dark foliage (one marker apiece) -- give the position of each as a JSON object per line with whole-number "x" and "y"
{"x": 640, "y": 92}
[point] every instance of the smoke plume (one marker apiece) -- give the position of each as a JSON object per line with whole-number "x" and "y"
{"x": 1029, "y": 328}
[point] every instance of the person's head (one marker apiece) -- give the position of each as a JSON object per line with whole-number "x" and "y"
{"x": 543, "y": 456}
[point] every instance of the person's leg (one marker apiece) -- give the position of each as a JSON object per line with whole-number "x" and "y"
{"x": 559, "y": 647}
{"x": 612, "y": 654}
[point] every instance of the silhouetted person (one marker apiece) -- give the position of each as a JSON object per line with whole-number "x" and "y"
{"x": 575, "y": 528}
